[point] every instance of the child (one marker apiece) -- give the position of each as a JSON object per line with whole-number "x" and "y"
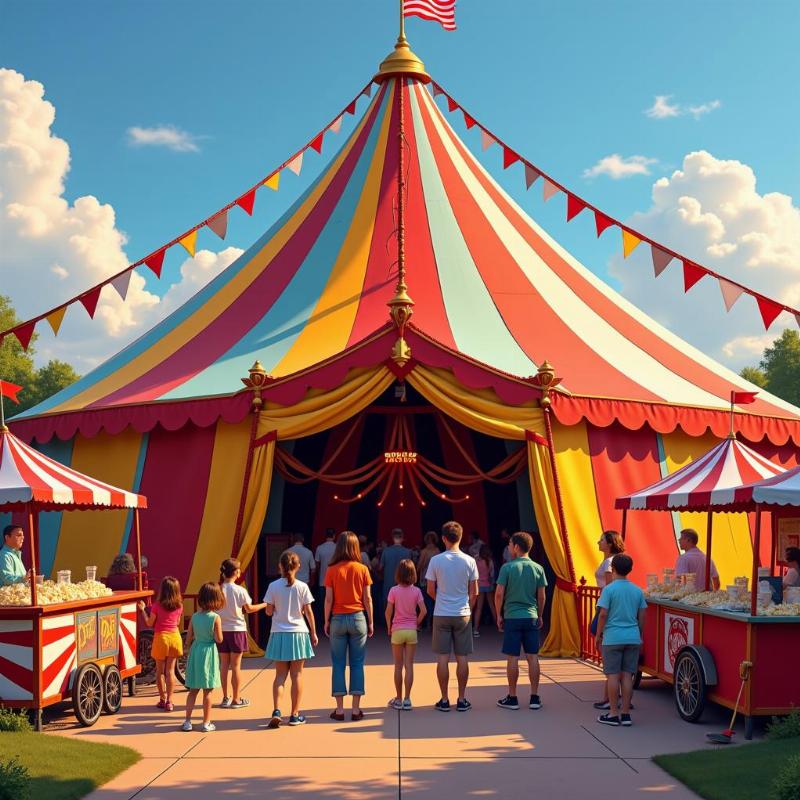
{"x": 165, "y": 616}
{"x": 202, "y": 666}
{"x": 234, "y": 631}
{"x": 405, "y": 610}
{"x": 485, "y": 587}
{"x": 287, "y": 601}
{"x": 619, "y": 635}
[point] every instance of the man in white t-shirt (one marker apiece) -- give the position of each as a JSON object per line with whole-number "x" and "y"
{"x": 308, "y": 564}
{"x": 452, "y": 582}
{"x": 322, "y": 556}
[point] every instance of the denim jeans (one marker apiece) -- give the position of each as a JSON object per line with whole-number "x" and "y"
{"x": 348, "y": 642}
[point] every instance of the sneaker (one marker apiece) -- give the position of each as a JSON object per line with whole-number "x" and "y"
{"x": 509, "y": 701}
{"x": 476, "y": 634}
{"x": 297, "y": 719}
{"x": 187, "y": 725}
{"x": 396, "y": 703}
{"x": 161, "y": 704}
{"x": 240, "y": 703}
{"x": 168, "y": 706}
{"x": 625, "y": 719}
{"x": 275, "y": 719}
{"x": 606, "y": 719}
{"x": 226, "y": 702}
{"x": 535, "y": 703}
{"x": 603, "y": 705}
{"x": 208, "y": 727}
{"x": 407, "y": 704}
{"x": 442, "y": 705}
{"x": 463, "y": 705}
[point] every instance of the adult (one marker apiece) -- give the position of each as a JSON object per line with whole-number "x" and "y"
{"x": 610, "y": 544}
{"x": 308, "y": 563}
{"x": 348, "y": 621}
{"x": 12, "y": 570}
{"x": 366, "y": 559}
{"x": 486, "y": 578}
{"x": 390, "y": 559}
{"x": 430, "y": 550}
{"x": 452, "y": 583}
{"x": 693, "y": 560}
{"x": 792, "y": 559}
{"x": 505, "y": 544}
{"x": 475, "y": 544}
{"x": 122, "y": 573}
{"x": 519, "y": 601}
{"x": 322, "y": 557}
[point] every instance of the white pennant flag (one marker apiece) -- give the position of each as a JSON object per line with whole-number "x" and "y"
{"x": 486, "y": 140}
{"x": 436, "y": 90}
{"x": 730, "y": 293}
{"x": 122, "y": 282}
{"x": 531, "y": 175}
{"x": 336, "y": 125}
{"x": 296, "y": 164}
{"x": 549, "y": 190}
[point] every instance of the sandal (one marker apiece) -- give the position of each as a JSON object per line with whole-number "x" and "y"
{"x": 338, "y": 717}
{"x": 357, "y": 716}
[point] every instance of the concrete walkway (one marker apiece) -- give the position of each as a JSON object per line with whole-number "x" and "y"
{"x": 488, "y": 752}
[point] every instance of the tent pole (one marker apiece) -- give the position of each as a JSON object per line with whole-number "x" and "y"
{"x": 754, "y": 578}
{"x": 139, "y": 583}
{"x": 709, "y": 526}
{"x": 624, "y": 522}
{"x": 33, "y": 529}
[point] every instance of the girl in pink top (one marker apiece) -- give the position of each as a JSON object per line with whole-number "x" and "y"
{"x": 405, "y": 610}
{"x": 486, "y": 578}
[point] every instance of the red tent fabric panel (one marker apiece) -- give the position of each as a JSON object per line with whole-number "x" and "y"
{"x": 623, "y": 460}
{"x": 175, "y": 482}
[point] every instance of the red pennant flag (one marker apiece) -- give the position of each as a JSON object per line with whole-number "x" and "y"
{"x": 692, "y": 273}
{"x": 247, "y": 201}
{"x": 468, "y": 121}
{"x": 317, "y": 143}
{"x": 769, "y": 310}
{"x": 451, "y": 104}
{"x": 574, "y": 206}
{"x": 602, "y": 222}
{"x": 89, "y": 300}
{"x": 156, "y": 262}
{"x": 743, "y": 398}
{"x": 351, "y": 109}
{"x": 509, "y": 157}
{"x": 24, "y": 334}
{"x": 10, "y": 390}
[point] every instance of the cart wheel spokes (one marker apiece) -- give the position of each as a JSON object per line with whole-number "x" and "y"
{"x": 144, "y": 656}
{"x": 87, "y": 694}
{"x": 112, "y": 690}
{"x": 690, "y": 686}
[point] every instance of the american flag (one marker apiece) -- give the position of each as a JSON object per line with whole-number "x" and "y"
{"x": 441, "y": 11}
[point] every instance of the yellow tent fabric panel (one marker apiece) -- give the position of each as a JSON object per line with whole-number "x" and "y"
{"x": 731, "y": 547}
{"x": 94, "y": 537}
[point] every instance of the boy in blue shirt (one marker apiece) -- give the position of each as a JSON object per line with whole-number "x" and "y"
{"x": 619, "y": 636}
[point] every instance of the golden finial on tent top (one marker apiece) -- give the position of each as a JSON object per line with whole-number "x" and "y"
{"x": 256, "y": 382}
{"x": 402, "y": 60}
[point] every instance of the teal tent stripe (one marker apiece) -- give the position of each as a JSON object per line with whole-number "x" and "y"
{"x": 137, "y": 481}
{"x": 50, "y": 521}
{"x": 662, "y": 466}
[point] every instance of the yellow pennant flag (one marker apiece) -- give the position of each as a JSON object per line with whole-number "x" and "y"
{"x": 189, "y": 242}
{"x": 273, "y": 181}
{"x": 56, "y": 318}
{"x": 629, "y": 243}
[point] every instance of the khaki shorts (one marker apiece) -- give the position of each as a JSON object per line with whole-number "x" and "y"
{"x": 452, "y": 634}
{"x": 620, "y": 658}
{"x": 404, "y": 636}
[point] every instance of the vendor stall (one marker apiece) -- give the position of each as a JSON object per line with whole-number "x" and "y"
{"x": 63, "y": 640}
{"x": 725, "y": 646}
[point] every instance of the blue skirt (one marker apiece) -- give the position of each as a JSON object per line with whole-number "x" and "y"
{"x": 289, "y": 647}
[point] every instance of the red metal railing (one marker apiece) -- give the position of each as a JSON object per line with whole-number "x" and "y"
{"x": 587, "y": 604}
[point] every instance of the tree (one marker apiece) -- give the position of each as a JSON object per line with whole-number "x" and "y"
{"x": 17, "y": 366}
{"x": 755, "y": 375}
{"x": 780, "y": 368}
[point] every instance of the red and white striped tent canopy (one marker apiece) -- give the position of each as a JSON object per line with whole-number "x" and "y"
{"x": 28, "y": 476}
{"x": 779, "y": 490}
{"x": 712, "y": 479}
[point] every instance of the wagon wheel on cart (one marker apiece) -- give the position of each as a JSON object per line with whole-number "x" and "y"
{"x": 144, "y": 656}
{"x": 87, "y": 694}
{"x": 689, "y": 686}
{"x": 180, "y": 664}
{"x": 112, "y": 690}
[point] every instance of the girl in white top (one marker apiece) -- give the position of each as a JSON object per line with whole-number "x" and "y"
{"x": 234, "y": 631}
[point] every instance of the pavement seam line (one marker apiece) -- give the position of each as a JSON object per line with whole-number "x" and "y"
{"x": 610, "y": 750}
{"x": 168, "y": 768}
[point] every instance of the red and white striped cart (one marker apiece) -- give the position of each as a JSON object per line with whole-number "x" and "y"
{"x": 80, "y": 650}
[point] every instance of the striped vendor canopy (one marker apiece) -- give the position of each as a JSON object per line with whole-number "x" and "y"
{"x": 489, "y": 286}
{"x": 778, "y": 490}
{"x": 27, "y": 476}
{"x": 711, "y": 480}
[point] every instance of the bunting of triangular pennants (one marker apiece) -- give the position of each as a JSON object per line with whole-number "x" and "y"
{"x": 692, "y": 273}
{"x": 218, "y": 223}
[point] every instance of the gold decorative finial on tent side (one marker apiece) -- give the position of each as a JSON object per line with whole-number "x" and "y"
{"x": 545, "y": 379}
{"x": 257, "y": 380}
{"x": 402, "y": 60}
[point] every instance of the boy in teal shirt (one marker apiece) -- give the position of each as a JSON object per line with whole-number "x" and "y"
{"x": 519, "y": 601}
{"x": 619, "y": 636}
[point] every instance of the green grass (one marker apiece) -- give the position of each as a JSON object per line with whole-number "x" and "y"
{"x": 730, "y": 773}
{"x": 65, "y": 769}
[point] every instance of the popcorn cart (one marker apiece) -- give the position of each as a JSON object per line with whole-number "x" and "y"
{"x": 63, "y": 641}
{"x": 735, "y": 647}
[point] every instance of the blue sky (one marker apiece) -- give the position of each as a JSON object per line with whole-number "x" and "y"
{"x": 565, "y": 83}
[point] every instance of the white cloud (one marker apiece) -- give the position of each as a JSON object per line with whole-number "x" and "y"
{"x": 617, "y": 166}
{"x": 163, "y": 136}
{"x": 53, "y": 249}
{"x": 711, "y": 212}
{"x": 662, "y": 108}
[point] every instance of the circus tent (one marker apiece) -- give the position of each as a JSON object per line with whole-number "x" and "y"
{"x": 494, "y": 298}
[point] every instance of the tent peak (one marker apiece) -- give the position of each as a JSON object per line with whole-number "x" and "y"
{"x": 402, "y": 61}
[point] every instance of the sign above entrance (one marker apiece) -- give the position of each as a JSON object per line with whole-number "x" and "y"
{"x": 400, "y": 457}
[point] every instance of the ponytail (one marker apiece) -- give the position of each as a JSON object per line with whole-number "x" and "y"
{"x": 289, "y": 564}
{"x": 227, "y": 569}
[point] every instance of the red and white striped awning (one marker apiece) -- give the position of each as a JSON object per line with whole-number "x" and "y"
{"x": 779, "y": 490}
{"x": 710, "y": 480}
{"x": 28, "y": 476}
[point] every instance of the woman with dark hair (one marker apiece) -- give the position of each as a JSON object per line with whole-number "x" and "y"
{"x": 792, "y": 559}
{"x": 122, "y": 574}
{"x": 348, "y": 621}
{"x": 610, "y": 544}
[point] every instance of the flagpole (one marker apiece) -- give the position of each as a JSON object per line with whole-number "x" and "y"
{"x": 2, "y": 412}
{"x": 402, "y": 36}
{"x": 732, "y": 435}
